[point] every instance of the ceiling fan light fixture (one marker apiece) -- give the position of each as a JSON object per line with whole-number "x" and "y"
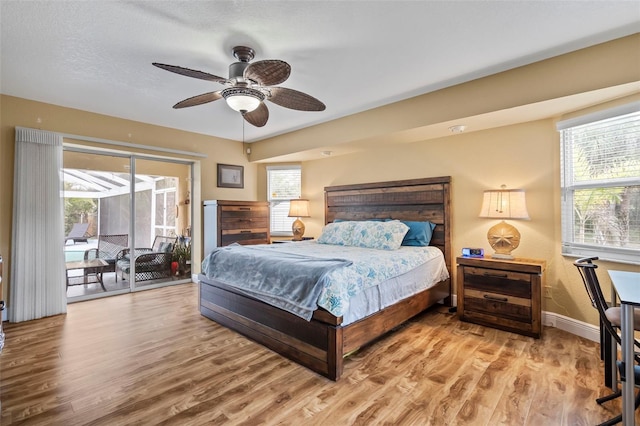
{"x": 243, "y": 99}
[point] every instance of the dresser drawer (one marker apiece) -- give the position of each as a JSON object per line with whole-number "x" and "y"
{"x": 245, "y": 236}
{"x": 230, "y": 223}
{"x": 244, "y": 217}
{"x": 244, "y": 211}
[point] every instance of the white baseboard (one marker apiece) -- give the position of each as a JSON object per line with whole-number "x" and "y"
{"x": 570, "y": 325}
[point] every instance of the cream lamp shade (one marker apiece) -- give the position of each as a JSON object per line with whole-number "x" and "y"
{"x": 504, "y": 204}
{"x": 298, "y": 208}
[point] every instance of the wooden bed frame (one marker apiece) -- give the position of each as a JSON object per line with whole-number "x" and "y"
{"x": 320, "y": 344}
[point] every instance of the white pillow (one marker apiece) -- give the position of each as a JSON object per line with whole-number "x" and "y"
{"x": 378, "y": 235}
{"x": 337, "y": 233}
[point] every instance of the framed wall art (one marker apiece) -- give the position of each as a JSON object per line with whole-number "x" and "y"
{"x": 230, "y": 176}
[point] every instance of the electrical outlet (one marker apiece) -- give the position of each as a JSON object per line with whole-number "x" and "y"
{"x": 547, "y": 291}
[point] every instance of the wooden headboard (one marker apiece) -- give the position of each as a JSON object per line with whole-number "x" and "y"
{"x": 414, "y": 199}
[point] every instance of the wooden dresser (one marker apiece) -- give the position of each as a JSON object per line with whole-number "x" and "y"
{"x": 504, "y": 294}
{"x": 242, "y": 222}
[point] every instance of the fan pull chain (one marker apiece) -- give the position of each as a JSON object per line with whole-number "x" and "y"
{"x": 244, "y": 148}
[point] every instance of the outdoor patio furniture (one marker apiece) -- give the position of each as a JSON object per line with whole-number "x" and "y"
{"x": 108, "y": 248}
{"x": 150, "y": 263}
{"x": 77, "y": 233}
{"x": 95, "y": 265}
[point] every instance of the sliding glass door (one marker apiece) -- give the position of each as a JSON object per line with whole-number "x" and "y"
{"x": 96, "y": 214}
{"x": 110, "y": 250}
{"x": 162, "y": 222}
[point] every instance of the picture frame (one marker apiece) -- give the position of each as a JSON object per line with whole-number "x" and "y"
{"x": 230, "y": 176}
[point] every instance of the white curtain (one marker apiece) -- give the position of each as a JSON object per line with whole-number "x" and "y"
{"x": 37, "y": 258}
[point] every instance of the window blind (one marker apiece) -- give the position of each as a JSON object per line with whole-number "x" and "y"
{"x": 601, "y": 188}
{"x": 284, "y": 184}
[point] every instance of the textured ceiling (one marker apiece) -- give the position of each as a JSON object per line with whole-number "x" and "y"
{"x": 352, "y": 55}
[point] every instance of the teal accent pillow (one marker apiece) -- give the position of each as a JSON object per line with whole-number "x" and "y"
{"x": 419, "y": 234}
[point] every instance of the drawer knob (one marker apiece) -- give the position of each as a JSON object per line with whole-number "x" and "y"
{"x": 244, "y": 208}
{"x": 497, "y": 299}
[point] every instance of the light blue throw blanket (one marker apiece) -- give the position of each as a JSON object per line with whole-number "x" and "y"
{"x": 289, "y": 281}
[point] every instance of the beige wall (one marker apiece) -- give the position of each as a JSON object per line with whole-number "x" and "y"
{"x": 520, "y": 156}
{"x": 525, "y": 156}
{"x": 16, "y": 112}
{"x": 407, "y": 140}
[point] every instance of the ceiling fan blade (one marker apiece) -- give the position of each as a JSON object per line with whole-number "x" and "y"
{"x": 199, "y": 100}
{"x": 268, "y": 72}
{"x": 293, "y": 99}
{"x": 191, "y": 73}
{"x": 258, "y": 117}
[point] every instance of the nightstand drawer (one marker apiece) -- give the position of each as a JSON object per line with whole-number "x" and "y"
{"x": 498, "y": 304}
{"x": 507, "y": 283}
{"x": 497, "y": 275}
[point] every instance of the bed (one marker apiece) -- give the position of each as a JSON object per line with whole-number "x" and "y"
{"x": 321, "y": 343}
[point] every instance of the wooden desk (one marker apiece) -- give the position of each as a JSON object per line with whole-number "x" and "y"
{"x": 627, "y": 285}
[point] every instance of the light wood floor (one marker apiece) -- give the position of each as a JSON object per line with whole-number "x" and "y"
{"x": 150, "y": 358}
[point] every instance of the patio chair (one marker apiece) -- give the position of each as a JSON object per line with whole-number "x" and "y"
{"x": 108, "y": 248}
{"x": 77, "y": 233}
{"x": 150, "y": 263}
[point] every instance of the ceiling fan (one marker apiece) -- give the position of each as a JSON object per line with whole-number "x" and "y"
{"x": 248, "y": 86}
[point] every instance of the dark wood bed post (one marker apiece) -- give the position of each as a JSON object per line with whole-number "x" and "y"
{"x": 335, "y": 357}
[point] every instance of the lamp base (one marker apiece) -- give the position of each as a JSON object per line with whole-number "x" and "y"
{"x": 298, "y": 230}
{"x": 503, "y": 238}
{"x": 502, "y": 256}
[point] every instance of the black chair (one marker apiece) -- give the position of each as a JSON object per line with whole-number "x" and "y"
{"x": 108, "y": 248}
{"x": 610, "y": 324}
{"x": 150, "y": 263}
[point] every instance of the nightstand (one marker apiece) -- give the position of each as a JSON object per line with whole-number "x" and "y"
{"x": 504, "y": 294}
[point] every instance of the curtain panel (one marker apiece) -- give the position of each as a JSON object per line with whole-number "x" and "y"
{"x": 37, "y": 257}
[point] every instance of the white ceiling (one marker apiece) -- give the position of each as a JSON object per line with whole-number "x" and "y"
{"x": 352, "y": 55}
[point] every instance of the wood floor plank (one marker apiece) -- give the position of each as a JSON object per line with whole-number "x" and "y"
{"x": 151, "y": 358}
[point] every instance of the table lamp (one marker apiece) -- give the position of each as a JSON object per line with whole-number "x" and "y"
{"x": 298, "y": 208}
{"x": 504, "y": 204}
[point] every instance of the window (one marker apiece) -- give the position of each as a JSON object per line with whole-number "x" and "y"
{"x": 283, "y": 184}
{"x": 600, "y": 163}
